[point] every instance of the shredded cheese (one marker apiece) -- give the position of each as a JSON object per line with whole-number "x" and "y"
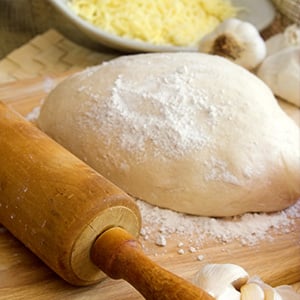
{"x": 160, "y": 22}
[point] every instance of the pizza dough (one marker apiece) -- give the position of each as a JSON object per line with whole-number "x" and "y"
{"x": 187, "y": 131}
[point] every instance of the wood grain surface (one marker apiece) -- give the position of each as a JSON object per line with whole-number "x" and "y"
{"x": 24, "y": 276}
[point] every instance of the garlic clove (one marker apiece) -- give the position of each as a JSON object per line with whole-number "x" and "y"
{"x": 287, "y": 292}
{"x": 229, "y": 293}
{"x": 289, "y": 38}
{"x": 274, "y": 43}
{"x": 252, "y": 291}
{"x": 237, "y": 41}
{"x": 230, "y": 278}
{"x": 272, "y": 294}
{"x": 281, "y": 72}
{"x": 292, "y": 35}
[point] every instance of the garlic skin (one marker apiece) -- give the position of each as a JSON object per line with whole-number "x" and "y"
{"x": 237, "y": 41}
{"x": 287, "y": 292}
{"x": 289, "y": 38}
{"x": 272, "y": 294}
{"x": 281, "y": 72}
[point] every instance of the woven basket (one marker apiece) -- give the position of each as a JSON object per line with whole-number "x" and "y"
{"x": 289, "y": 8}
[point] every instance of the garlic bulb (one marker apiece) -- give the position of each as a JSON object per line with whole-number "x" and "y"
{"x": 236, "y": 40}
{"x": 230, "y": 281}
{"x": 281, "y": 72}
{"x": 222, "y": 281}
{"x": 289, "y": 38}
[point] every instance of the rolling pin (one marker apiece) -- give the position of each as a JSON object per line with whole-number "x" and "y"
{"x": 81, "y": 225}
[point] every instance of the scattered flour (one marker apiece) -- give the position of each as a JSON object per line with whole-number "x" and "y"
{"x": 220, "y": 171}
{"x": 48, "y": 84}
{"x": 248, "y": 229}
{"x": 180, "y": 251}
{"x": 161, "y": 240}
{"x": 33, "y": 115}
{"x": 163, "y": 112}
{"x": 200, "y": 257}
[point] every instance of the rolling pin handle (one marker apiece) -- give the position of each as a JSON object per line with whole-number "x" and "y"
{"x": 120, "y": 256}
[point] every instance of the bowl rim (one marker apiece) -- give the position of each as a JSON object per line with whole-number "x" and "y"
{"x": 109, "y": 39}
{"x": 133, "y": 45}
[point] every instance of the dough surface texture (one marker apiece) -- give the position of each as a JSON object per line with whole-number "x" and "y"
{"x": 187, "y": 131}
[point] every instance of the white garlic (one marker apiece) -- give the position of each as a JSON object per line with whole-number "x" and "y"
{"x": 236, "y": 40}
{"x": 287, "y": 292}
{"x": 281, "y": 72}
{"x": 222, "y": 281}
{"x": 289, "y": 38}
{"x": 229, "y": 281}
{"x": 269, "y": 292}
{"x": 251, "y": 291}
{"x": 272, "y": 294}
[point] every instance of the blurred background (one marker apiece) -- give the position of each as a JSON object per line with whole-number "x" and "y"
{"x": 21, "y": 20}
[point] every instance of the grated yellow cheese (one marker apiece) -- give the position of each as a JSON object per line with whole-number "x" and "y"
{"x": 160, "y": 22}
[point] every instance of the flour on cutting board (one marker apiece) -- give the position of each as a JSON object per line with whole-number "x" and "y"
{"x": 249, "y": 229}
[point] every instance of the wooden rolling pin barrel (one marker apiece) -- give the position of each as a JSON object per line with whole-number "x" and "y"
{"x": 80, "y": 224}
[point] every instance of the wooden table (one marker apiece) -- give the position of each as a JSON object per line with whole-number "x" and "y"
{"x": 24, "y": 80}
{"x": 23, "y": 276}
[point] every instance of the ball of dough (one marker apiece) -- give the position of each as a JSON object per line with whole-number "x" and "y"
{"x": 187, "y": 131}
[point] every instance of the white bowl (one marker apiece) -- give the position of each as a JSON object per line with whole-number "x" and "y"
{"x": 258, "y": 12}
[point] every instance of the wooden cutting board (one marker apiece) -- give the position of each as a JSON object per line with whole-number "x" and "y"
{"x": 24, "y": 276}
